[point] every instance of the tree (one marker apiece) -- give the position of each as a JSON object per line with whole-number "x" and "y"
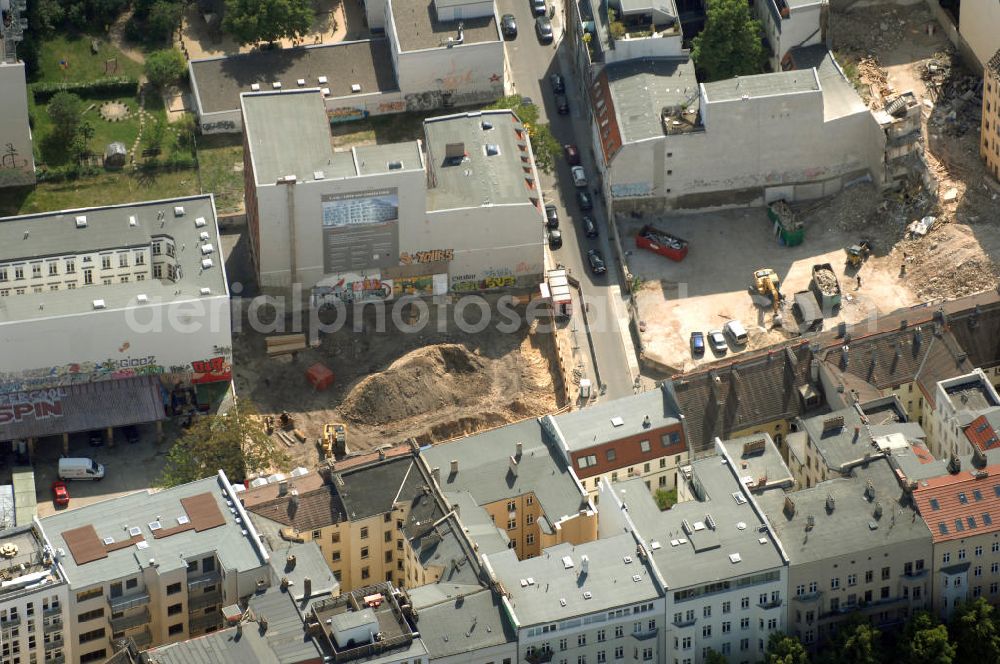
{"x": 714, "y": 657}
{"x": 730, "y": 43}
{"x": 785, "y": 649}
{"x": 235, "y": 442}
{"x": 925, "y": 641}
{"x": 543, "y": 143}
{"x": 252, "y": 21}
{"x": 857, "y": 642}
{"x": 164, "y": 17}
{"x": 65, "y": 110}
{"x": 975, "y": 633}
{"x": 80, "y": 145}
{"x": 166, "y": 67}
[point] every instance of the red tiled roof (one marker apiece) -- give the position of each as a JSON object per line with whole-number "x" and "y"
{"x": 982, "y": 434}
{"x": 960, "y": 505}
{"x": 922, "y": 453}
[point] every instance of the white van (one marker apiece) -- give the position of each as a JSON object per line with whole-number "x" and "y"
{"x": 80, "y": 468}
{"x": 737, "y": 333}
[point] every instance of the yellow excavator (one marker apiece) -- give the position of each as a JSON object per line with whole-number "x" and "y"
{"x": 767, "y": 284}
{"x": 334, "y": 438}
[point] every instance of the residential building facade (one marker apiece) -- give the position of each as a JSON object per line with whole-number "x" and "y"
{"x": 989, "y": 132}
{"x": 17, "y": 160}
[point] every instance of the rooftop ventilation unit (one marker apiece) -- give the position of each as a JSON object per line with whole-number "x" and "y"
{"x": 394, "y": 165}
{"x": 132, "y": 221}
{"x": 108, "y": 541}
{"x": 301, "y": 82}
{"x": 637, "y": 578}
{"x": 617, "y": 421}
{"x": 318, "y": 175}
{"x": 741, "y": 525}
{"x": 492, "y": 149}
{"x": 255, "y": 87}
{"x": 762, "y": 540}
{"x": 562, "y": 601}
{"x": 627, "y": 559}
{"x": 206, "y": 249}
{"x": 587, "y": 594}
{"x": 738, "y": 497}
{"x": 734, "y": 558}
{"x": 833, "y": 423}
{"x": 355, "y": 88}
{"x": 99, "y": 304}
{"x": 142, "y": 298}
{"x": 276, "y": 85}
{"x": 154, "y": 526}
{"x": 686, "y": 525}
{"x": 206, "y": 263}
{"x": 567, "y": 562}
{"x": 203, "y": 236}
{"x": 709, "y": 521}
{"x": 81, "y": 221}
{"x": 179, "y": 211}
{"x": 487, "y": 125}
{"x": 200, "y": 222}
{"x": 183, "y": 520}
{"x": 321, "y": 79}
{"x": 142, "y": 545}
{"x": 134, "y": 531}
{"x": 325, "y": 92}
{"x": 654, "y": 545}
{"x": 205, "y": 291}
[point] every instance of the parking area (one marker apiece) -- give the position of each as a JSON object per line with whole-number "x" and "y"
{"x": 711, "y": 285}
{"x": 129, "y": 467}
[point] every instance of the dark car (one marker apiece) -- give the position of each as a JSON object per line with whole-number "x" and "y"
{"x": 508, "y": 26}
{"x": 551, "y": 216}
{"x": 697, "y": 344}
{"x": 131, "y": 433}
{"x": 718, "y": 342}
{"x": 543, "y": 27}
{"x": 538, "y": 7}
{"x": 596, "y": 261}
{"x": 589, "y": 226}
{"x": 96, "y": 438}
{"x": 562, "y": 104}
{"x": 555, "y": 238}
{"x": 527, "y": 101}
{"x": 584, "y": 199}
{"x": 572, "y": 155}
{"x": 557, "y": 83}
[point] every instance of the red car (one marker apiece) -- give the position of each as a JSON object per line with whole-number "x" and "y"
{"x": 60, "y": 494}
{"x": 572, "y": 155}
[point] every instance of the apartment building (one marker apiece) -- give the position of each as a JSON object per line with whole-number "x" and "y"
{"x": 17, "y": 161}
{"x": 155, "y": 567}
{"x": 33, "y": 599}
{"x": 639, "y": 436}
{"x": 759, "y": 463}
{"x": 725, "y": 574}
{"x": 791, "y": 24}
{"x": 855, "y": 544}
{"x": 959, "y": 401}
{"x": 592, "y": 602}
{"x": 989, "y": 134}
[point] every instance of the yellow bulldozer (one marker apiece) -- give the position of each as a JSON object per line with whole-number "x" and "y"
{"x": 858, "y": 253}
{"x": 334, "y": 439}
{"x": 767, "y": 284}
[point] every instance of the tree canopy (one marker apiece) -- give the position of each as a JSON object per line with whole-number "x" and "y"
{"x": 66, "y": 112}
{"x": 925, "y": 641}
{"x": 252, "y": 21}
{"x": 235, "y": 442}
{"x": 974, "y": 632}
{"x": 784, "y": 649}
{"x": 166, "y": 67}
{"x": 730, "y": 44}
{"x": 543, "y": 142}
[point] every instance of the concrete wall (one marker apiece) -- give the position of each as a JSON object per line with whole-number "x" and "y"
{"x": 375, "y": 13}
{"x": 456, "y": 10}
{"x": 658, "y": 46}
{"x": 989, "y": 142}
{"x": 979, "y": 25}
{"x": 460, "y": 75}
{"x": 17, "y": 162}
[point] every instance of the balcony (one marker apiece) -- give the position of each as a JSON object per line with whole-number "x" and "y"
{"x": 540, "y": 656}
{"x": 197, "y": 602}
{"x": 128, "y": 622}
{"x": 201, "y": 623}
{"x": 686, "y": 622}
{"x": 58, "y": 659}
{"x": 808, "y": 597}
{"x": 130, "y": 602}
{"x": 916, "y": 575}
{"x": 202, "y": 581}
{"x": 772, "y": 604}
{"x": 53, "y": 610}
{"x": 645, "y": 636}
{"x": 53, "y": 644}
{"x": 11, "y": 621}
{"x": 142, "y": 639}
{"x": 53, "y": 626}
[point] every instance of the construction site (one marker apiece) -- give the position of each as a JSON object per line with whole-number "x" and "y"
{"x": 864, "y": 252}
{"x": 385, "y": 387}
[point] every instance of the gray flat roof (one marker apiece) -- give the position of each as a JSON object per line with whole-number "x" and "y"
{"x": 488, "y": 536}
{"x": 643, "y": 88}
{"x": 610, "y": 580}
{"x": 288, "y": 134}
{"x": 27, "y": 560}
{"x": 616, "y": 419}
{"x": 483, "y": 468}
{"x": 668, "y": 7}
{"x": 704, "y": 556}
{"x": 234, "y": 550}
{"x": 843, "y": 439}
{"x": 839, "y": 96}
{"x": 463, "y": 624}
{"x": 218, "y": 82}
{"x": 373, "y": 159}
{"x": 847, "y": 528}
{"x": 754, "y": 465}
{"x": 418, "y": 27}
{"x": 51, "y": 234}
{"x": 477, "y": 179}
{"x": 761, "y": 85}
{"x": 309, "y": 564}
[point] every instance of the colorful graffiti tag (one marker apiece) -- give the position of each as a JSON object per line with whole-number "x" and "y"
{"x": 415, "y": 285}
{"x": 211, "y": 371}
{"x": 431, "y": 256}
{"x": 366, "y": 289}
{"x": 39, "y": 404}
{"x": 346, "y": 114}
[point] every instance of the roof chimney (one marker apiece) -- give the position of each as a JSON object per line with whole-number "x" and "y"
{"x": 307, "y": 587}
{"x": 954, "y": 465}
{"x": 830, "y": 504}
{"x": 584, "y": 564}
{"x": 645, "y": 422}
{"x": 454, "y": 466}
{"x": 290, "y": 562}
{"x": 282, "y": 487}
{"x": 519, "y": 449}
{"x": 513, "y": 466}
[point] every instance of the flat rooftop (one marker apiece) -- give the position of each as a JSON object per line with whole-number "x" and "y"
{"x": 703, "y": 554}
{"x": 462, "y": 624}
{"x": 288, "y": 134}
{"x": 613, "y": 420}
{"x": 839, "y": 96}
{"x": 971, "y": 395}
{"x": 483, "y": 469}
{"x": 51, "y": 234}
{"x": 642, "y": 88}
{"x": 116, "y": 537}
{"x": 477, "y": 179}
{"x": 345, "y": 611}
{"x": 847, "y": 528}
{"x": 761, "y": 85}
{"x": 372, "y": 159}
{"x": 218, "y": 82}
{"x": 418, "y": 27}
{"x": 758, "y": 462}
{"x": 559, "y": 588}
{"x": 29, "y": 566}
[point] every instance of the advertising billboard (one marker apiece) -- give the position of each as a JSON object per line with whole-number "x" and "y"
{"x": 360, "y": 230}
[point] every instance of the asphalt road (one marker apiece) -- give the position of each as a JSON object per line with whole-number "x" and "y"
{"x": 530, "y": 64}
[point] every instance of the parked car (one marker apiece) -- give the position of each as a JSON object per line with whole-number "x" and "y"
{"x": 579, "y": 176}
{"x": 80, "y": 468}
{"x": 527, "y": 101}
{"x": 596, "y": 261}
{"x": 543, "y": 28}
{"x": 589, "y": 226}
{"x": 555, "y": 238}
{"x": 584, "y": 199}
{"x": 562, "y": 104}
{"x": 96, "y": 438}
{"x": 557, "y": 83}
{"x": 697, "y": 344}
{"x": 538, "y": 7}
{"x": 60, "y": 494}
{"x": 551, "y": 216}
{"x": 131, "y": 433}
{"x": 718, "y": 342}
{"x": 572, "y": 155}
{"x": 736, "y": 332}
{"x": 508, "y": 26}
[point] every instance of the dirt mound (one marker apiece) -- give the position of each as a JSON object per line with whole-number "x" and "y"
{"x": 422, "y": 381}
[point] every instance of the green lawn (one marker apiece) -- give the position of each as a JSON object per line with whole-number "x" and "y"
{"x": 220, "y": 159}
{"x": 104, "y": 189}
{"x": 81, "y": 64}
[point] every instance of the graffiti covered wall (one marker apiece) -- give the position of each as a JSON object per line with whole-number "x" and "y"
{"x": 17, "y": 163}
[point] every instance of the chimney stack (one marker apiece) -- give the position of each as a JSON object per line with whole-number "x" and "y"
{"x": 519, "y": 447}
{"x": 307, "y": 586}
{"x": 513, "y": 466}
{"x": 283, "y": 487}
{"x": 290, "y": 562}
{"x": 454, "y": 466}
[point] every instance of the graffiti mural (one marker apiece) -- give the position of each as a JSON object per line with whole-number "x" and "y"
{"x": 211, "y": 371}
{"x": 346, "y": 114}
{"x": 37, "y": 404}
{"x": 415, "y": 286}
{"x": 392, "y": 107}
{"x": 632, "y": 189}
{"x": 469, "y": 282}
{"x": 218, "y": 127}
{"x": 431, "y": 256}
{"x": 363, "y": 289}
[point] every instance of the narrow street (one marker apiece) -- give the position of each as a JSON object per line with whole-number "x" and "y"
{"x": 530, "y": 64}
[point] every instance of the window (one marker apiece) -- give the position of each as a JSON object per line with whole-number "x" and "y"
{"x": 105, "y": 262}
{"x": 601, "y": 657}
{"x": 173, "y": 588}
{"x": 70, "y": 266}
{"x": 852, "y": 579}
{"x": 529, "y": 500}
{"x": 886, "y": 573}
{"x": 529, "y": 539}
{"x": 335, "y": 537}
{"x": 726, "y": 606}
{"x": 177, "y": 628}
{"x": 364, "y": 533}
{"x": 96, "y": 656}
{"x": 601, "y": 636}
{"x": 619, "y": 652}
{"x": 123, "y": 260}
{"x": 619, "y": 631}
{"x": 157, "y": 249}
{"x": 977, "y": 570}
{"x": 644, "y": 445}
{"x": 18, "y": 272}
{"x": 365, "y": 573}
{"x": 511, "y": 524}
{"x": 978, "y": 551}
{"x": 93, "y": 635}
{"x": 335, "y": 556}
{"x": 3, "y": 274}
{"x": 946, "y": 557}
{"x": 962, "y": 498}
{"x": 586, "y": 461}
{"x": 610, "y": 454}
{"x": 53, "y": 268}
{"x": 744, "y": 644}
{"x": 90, "y": 615}
{"x": 562, "y": 644}
{"x": 36, "y": 270}
{"x": 174, "y": 609}
{"x": 89, "y": 594}
{"x": 727, "y": 627}
{"x": 961, "y": 554}
{"x": 530, "y": 519}
{"x": 706, "y": 612}
{"x": 364, "y": 552}
{"x": 744, "y": 623}
{"x": 834, "y": 583}
{"x": 581, "y": 640}
{"x": 116, "y": 589}
{"x": 706, "y": 631}
{"x": 88, "y": 276}
{"x": 170, "y": 249}
{"x": 140, "y": 258}
{"x": 835, "y": 603}
{"x": 686, "y": 643}
{"x": 745, "y": 603}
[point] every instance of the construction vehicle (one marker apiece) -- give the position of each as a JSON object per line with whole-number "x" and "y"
{"x": 767, "y": 284}
{"x": 858, "y": 253}
{"x": 334, "y": 439}
{"x": 827, "y": 288}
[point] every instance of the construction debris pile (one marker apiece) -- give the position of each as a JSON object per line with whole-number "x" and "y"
{"x": 881, "y": 28}
{"x": 826, "y": 281}
{"x": 874, "y": 83}
{"x": 957, "y": 95}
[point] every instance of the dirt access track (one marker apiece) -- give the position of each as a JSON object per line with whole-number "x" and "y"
{"x": 390, "y": 385}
